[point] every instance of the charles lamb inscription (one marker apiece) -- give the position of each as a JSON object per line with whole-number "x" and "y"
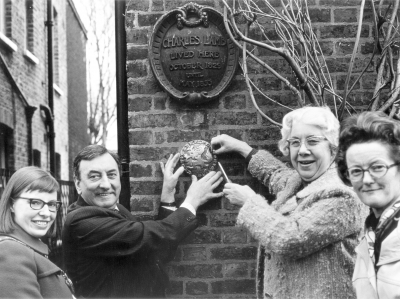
{"x": 191, "y": 54}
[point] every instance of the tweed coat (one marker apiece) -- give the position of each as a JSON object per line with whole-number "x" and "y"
{"x": 113, "y": 255}
{"x": 307, "y": 236}
{"x": 25, "y": 273}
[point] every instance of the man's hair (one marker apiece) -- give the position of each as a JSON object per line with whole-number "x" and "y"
{"x": 367, "y": 127}
{"x": 89, "y": 153}
{"x": 25, "y": 179}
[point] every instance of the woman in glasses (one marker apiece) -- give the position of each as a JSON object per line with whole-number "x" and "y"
{"x": 368, "y": 159}
{"x": 28, "y": 208}
{"x": 308, "y": 234}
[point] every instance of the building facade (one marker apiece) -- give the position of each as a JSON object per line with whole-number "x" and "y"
{"x": 25, "y": 114}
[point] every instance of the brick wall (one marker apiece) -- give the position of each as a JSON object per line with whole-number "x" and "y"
{"x": 218, "y": 259}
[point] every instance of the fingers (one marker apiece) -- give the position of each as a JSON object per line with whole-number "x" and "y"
{"x": 216, "y": 184}
{"x": 162, "y": 167}
{"x": 216, "y": 195}
{"x": 179, "y": 171}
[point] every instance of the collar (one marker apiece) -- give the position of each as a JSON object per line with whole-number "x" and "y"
{"x": 37, "y": 244}
{"x": 328, "y": 178}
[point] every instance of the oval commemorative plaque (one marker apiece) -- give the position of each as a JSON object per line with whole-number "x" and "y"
{"x": 191, "y": 54}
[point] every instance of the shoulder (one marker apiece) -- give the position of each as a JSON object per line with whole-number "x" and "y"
{"x": 328, "y": 185}
{"x": 12, "y": 253}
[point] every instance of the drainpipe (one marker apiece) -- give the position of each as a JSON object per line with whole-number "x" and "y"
{"x": 51, "y": 134}
{"x": 29, "y": 111}
{"x": 122, "y": 102}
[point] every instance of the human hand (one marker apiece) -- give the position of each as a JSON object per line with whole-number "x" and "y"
{"x": 201, "y": 191}
{"x": 225, "y": 144}
{"x": 170, "y": 178}
{"x": 237, "y": 194}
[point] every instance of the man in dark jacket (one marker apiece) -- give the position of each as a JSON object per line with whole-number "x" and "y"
{"x": 107, "y": 252}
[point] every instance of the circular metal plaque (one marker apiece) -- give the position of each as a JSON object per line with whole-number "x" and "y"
{"x": 197, "y": 158}
{"x": 191, "y": 54}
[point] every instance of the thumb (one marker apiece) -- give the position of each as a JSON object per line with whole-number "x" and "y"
{"x": 194, "y": 179}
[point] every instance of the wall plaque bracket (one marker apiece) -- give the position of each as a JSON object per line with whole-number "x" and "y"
{"x": 191, "y": 54}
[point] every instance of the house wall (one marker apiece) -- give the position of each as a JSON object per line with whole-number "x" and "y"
{"x": 218, "y": 260}
{"x": 32, "y": 79}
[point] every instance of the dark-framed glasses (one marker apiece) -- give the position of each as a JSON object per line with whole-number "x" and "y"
{"x": 356, "y": 173}
{"x": 37, "y": 204}
{"x": 309, "y": 142}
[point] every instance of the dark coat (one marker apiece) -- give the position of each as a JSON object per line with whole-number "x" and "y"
{"x": 25, "y": 273}
{"x": 109, "y": 254}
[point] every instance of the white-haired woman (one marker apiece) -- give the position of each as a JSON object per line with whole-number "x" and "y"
{"x": 308, "y": 234}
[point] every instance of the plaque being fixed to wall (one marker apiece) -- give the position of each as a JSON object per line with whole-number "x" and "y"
{"x": 191, "y": 54}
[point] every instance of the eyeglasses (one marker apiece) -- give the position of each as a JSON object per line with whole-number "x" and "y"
{"x": 356, "y": 174}
{"x": 38, "y": 204}
{"x": 309, "y": 142}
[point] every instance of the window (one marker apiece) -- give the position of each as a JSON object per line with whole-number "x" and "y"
{"x": 29, "y": 29}
{"x": 58, "y": 166}
{"x": 37, "y": 158}
{"x": 5, "y": 146}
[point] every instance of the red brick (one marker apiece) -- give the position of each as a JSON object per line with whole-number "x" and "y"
{"x": 344, "y": 48}
{"x": 340, "y": 2}
{"x": 143, "y": 86}
{"x": 269, "y": 83}
{"x": 159, "y": 103}
{"x": 204, "y": 237}
{"x": 157, "y": 5}
{"x": 192, "y": 119}
{"x": 342, "y": 31}
{"x": 136, "y": 52}
{"x": 272, "y": 133}
{"x": 196, "y": 271}
{"x": 319, "y": 15}
{"x": 136, "y": 69}
{"x": 142, "y": 205}
{"x": 137, "y": 36}
{"x": 347, "y": 15}
{"x": 235, "y": 236}
{"x": 142, "y": 5}
{"x": 194, "y": 254}
{"x": 140, "y": 137}
{"x": 235, "y": 102}
{"x": 341, "y": 80}
{"x": 240, "y": 286}
{"x": 235, "y": 270}
{"x": 148, "y": 19}
{"x": 196, "y": 288}
{"x": 138, "y": 170}
{"x": 146, "y": 188}
{"x": 151, "y": 153}
{"x": 232, "y": 118}
{"x": 234, "y": 253}
{"x": 223, "y": 219}
{"x": 152, "y": 120}
{"x": 139, "y": 104}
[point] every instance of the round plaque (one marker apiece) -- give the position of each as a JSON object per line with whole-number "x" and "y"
{"x": 191, "y": 54}
{"x": 197, "y": 158}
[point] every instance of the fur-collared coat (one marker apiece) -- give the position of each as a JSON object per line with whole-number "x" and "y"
{"x": 307, "y": 236}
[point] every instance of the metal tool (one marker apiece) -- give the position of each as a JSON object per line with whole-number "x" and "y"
{"x": 224, "y": 173}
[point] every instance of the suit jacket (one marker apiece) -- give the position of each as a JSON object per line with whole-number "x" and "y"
{"x": 109, "y": 254}
{"x": 25, "y": 273}
{"x": 307, "y": 236}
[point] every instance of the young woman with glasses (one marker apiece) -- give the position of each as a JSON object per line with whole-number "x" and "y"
{"x": 368, "y": 159}
{"x": 307, "y": 235}
{"x": 28, "y": 208}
